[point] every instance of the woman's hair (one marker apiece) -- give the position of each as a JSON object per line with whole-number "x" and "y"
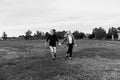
{"x": 68, "y": 32}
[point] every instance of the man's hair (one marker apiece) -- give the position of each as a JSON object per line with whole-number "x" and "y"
{"x": 54, "y": 31}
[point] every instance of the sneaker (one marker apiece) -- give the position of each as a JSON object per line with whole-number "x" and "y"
{"x": 55, "y": 55}
{"x": 53, "y": 58}
{"x": 66, "y": 55}
{"x": 70, "y": 58}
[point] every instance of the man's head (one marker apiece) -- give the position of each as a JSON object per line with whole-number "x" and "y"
{"x": 52, "y": 31}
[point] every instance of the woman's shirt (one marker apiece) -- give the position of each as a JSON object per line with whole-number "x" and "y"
{"x": 69, "y": 39}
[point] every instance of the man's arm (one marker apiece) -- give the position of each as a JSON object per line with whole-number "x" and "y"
{"x": 47, "y": 39}
{"x": 74, "y": 40}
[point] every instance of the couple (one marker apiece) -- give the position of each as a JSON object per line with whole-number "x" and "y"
{"x": 52, "y": 40}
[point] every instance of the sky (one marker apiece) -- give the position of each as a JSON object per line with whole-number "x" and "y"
{"x": 18, "y": 16}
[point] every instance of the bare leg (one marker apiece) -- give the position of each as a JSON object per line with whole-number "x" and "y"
{"x": 52, "y": 52}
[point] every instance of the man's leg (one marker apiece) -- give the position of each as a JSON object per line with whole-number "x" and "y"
{"x": 52, "y": 52}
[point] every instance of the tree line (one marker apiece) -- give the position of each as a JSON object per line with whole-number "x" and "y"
{"x": 100, "y": 33}
{"x": 97, "y": 33}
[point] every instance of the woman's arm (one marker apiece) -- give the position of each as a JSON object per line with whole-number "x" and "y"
{"x": 74, "y": 40}
{"x": 64, "y": 40}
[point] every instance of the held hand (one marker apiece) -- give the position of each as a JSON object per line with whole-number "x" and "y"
{"x": 75, "y": 44}
{"x": 59, "y": 43}
{"x": 45, "y": 44}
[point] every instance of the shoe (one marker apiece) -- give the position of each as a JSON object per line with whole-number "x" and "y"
{"x": 66, "y": 55}
{"x": 70, "y": 58}
{"x": 55, "y": 55}
{"x": 53, "y": 58}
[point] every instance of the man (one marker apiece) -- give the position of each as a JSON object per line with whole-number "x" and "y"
{"x": 52, "y": 40}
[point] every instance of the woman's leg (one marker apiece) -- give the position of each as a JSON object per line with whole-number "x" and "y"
{"x": 70, "y": 49}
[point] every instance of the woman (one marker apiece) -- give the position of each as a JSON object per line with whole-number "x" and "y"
{"x": 52, "y": 40}
{"x": 69, "y": 38}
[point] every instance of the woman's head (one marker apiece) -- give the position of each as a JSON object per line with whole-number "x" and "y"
{"x": 68, "y": 32}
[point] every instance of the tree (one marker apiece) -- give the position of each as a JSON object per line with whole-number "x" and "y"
{"x": 112, "y": 32}
{"x": 28, "y": 34}
{"x": 46, "y": 35}
{"x": 118, "y": 33}
{"x": 91, "y": 36}
{"x": 81, "y": 35}
{"x": 95, "y": 32}
{"x": 78, "y": 35}
{"x": 60, "y": 34}
{"x": 99, "y": 33}
{"x": 21, "y": 36}
{"x": 4, "y": 36}
{"x": 38, "y": 35}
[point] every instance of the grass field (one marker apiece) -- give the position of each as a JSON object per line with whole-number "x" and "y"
{"x": 31, "y": 60}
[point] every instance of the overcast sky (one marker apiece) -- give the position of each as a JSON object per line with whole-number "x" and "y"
{"x": 17, "y": 16}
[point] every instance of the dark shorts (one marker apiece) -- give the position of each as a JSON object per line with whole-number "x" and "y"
{"x": 53, "y": 45}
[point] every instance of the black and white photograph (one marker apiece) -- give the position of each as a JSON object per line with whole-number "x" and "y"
{"x": 59, "y": 39}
